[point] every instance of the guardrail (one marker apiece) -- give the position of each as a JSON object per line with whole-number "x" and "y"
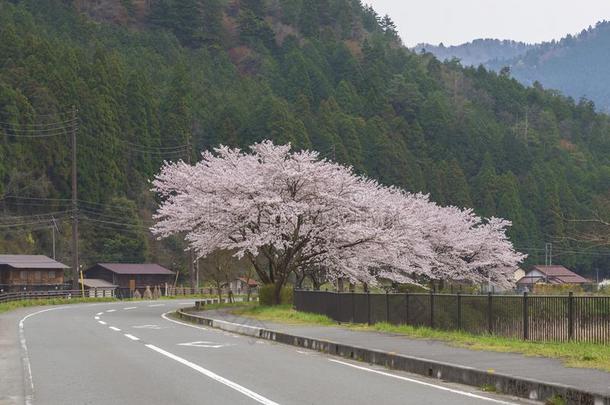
{"x": 36, "y": 295}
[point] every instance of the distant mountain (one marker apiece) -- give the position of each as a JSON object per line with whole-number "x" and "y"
{"x": 479, "y": 51}
{"x": 578, "y": 66}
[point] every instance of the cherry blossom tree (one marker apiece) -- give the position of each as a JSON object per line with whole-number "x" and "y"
{"x": 300, "y": 212}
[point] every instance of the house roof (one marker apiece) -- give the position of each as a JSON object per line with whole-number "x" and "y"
{"x": 96, "y": 283}
{"x": 249, "y": 281}
{"x": 128, "y": 268}
{"x": 554, "y": 274}
{"x": 30, "y": 262}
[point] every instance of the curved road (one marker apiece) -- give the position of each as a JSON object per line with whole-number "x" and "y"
{"x": 131, "y": 353}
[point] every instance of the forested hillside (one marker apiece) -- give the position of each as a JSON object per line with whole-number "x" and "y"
{"x": 576, "y": 65}
{"x": 180, "y": 76}
{"x": 479, "y": 51}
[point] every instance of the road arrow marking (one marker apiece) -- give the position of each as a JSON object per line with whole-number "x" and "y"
{"x": 204, "y": 344}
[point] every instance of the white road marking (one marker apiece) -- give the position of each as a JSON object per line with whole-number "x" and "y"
{"x": 99, "y": 313}
{"x": 111, "y": 310}
{"x": 302, "y": 352}
{"x": 102, "y": 322}
{"x": 440, "y": 387}
{"x": 164, "y": 316}
{"x": 132, "y": 337}
{"x": 115, "y": 329}
{"x": 205, "y": 344}
{"x": 156, "y": 305}
{"x": 155, "y": 327}
{"x": 128, "y": 308}
{"x": 214, "y": 376}
{"x": 25, "y": 358}
{"x": 97, "y": 318}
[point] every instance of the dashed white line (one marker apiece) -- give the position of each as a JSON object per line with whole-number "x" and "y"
{"x": 132, "y": 337}
{"x": 128, "y": 308}
{"x": 156, "y": 305}
{"x": 243, "y": 390}
{"x": 467, "y": 394}
{"x": 99, "y": 313}
{"x": 102, "y": 322}
{"x": 115, "y": 328}
{"x": 111, "y": 310}
{"x": 97, "y": 318}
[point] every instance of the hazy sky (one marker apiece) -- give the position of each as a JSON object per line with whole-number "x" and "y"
{"x": 456, "y": 21}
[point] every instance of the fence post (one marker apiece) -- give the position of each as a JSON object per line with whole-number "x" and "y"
{"x": 431, "y": 308}
{"x": 407, "y": 308}
{"x": 387, "y": 306}
{"x": 489, "y": 313}
{"x": 571, "y": 316}
{"x": 368, "y": 306}
{"x": 525, "y": 318}
{"x": 459, "y": 311}
{"x": 353, "y": 306}
{"x": 338, "y": 307}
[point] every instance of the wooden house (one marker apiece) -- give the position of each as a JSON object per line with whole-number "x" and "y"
{"x": 131, "y": 276}
{"x": 30, "y": 272}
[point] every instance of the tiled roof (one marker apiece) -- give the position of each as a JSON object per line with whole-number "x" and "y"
{"x": 96, "y": 283}
{"x": 30, "y": 262}
{"x": 129, "y": 268}
{"x": 554, "y": 275}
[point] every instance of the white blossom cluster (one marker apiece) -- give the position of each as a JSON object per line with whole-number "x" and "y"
{"x": 302, "y": 213}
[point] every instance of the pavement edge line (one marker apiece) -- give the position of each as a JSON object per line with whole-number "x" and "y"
{"x": 505, "y": 384}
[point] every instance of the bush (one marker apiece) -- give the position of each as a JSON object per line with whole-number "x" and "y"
{"x": 265, "y": 295}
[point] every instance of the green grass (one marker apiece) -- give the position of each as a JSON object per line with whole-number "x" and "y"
{"x": 573, "y": 354}
{"x": 283, "y": 313}
{"x": 9, "y": 306}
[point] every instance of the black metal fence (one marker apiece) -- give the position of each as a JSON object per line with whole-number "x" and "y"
{"x": 530, "y": 317}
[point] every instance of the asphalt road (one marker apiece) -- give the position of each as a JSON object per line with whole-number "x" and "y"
{"x": 129, "y": 353}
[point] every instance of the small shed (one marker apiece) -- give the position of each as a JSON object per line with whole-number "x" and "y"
{"x": 132, "y": 276}
{"x": 30, "y": 272}
{"x": 98, "y": 288}
{"x": 241, "y": 285}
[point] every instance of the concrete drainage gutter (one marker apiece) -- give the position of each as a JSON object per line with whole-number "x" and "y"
{"x": 505, "y": 384}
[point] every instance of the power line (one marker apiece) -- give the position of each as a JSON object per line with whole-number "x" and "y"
{"x": 121, "y": 224}
{"x": 139, "y": 146}
{"x": 39, "y": 127}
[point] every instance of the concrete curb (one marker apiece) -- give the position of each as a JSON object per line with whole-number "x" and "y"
{"x": 506, "y": 384}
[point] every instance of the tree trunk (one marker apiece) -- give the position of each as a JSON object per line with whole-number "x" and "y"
{"x": 277, "y": 293}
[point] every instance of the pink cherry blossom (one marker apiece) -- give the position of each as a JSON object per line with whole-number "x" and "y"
{"x": 301, "y": 212}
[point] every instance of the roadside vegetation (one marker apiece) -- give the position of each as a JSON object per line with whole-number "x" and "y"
{"x": 9, "y": 306}
{"x": 573, "y": 354}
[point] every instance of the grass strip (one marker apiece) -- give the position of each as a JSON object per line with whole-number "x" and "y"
{"x": 9, "y": 306}
{"x": 572, "y": 354}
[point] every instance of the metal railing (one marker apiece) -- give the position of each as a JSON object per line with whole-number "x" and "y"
{"x": 529, "y": 317}
{"x": 38, "y": 295}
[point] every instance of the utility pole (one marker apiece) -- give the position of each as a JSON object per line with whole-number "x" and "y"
{"x": 548, "y": 254}
{"x": 53, "y": 229}
{"x": 191, "y": 259}
{"x": 75, "y": 264}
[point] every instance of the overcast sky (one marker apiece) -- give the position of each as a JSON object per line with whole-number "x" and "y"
{"x": 457, "y": 21}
